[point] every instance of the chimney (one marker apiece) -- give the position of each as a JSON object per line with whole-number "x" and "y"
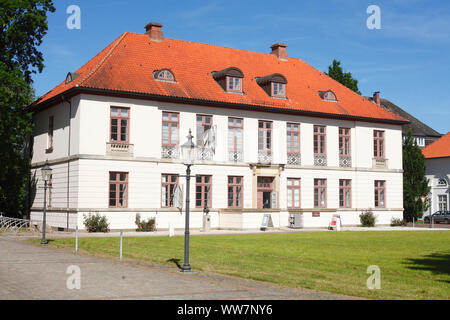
{"x": 376, "y": 98}
{"x": 279, "y": 50}
{"x": 153, "y": 30}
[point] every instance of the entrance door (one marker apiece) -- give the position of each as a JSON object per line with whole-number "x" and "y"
{"x": 265, "y": 188}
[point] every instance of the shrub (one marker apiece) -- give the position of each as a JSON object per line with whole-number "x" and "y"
{"x": 143, "y": 225}
{"x": 367, "y": 219}
{"x": 96, "y": 223}
{"x": 398, "y": 222}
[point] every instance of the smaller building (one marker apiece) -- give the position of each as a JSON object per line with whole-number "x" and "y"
{"x": 437, "y": 158}
{"x": 423, "y": 134}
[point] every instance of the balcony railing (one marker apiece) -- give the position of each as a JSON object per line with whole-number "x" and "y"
{"x": 379, "y": 163}
{"x": 204, "y": 154}
{"x": 294, "y": 159}
{"x": 235, "y": 156}
{"x": 345, "y": 161}
{"x": 168, "y": 152}
{"x": 119, "y": 148}
{"x": 265, "y": 157}
{"x": 320, "y": 160}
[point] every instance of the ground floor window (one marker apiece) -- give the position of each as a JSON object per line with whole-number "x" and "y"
{"x": 293, "y": 193}
{"x": 320, "y": 193}
{"x": 203, "y": 191}
{"x": 345, "y": 193}
{"x": 380, "y": 194}
{"x": 235, "y": 192}
{"x": 443, "y": 202}
{"x": 118, "y": 189}
{"x": 168, "y": 184}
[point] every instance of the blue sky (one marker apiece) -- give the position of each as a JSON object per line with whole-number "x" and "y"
{"x": 408, "y": 59}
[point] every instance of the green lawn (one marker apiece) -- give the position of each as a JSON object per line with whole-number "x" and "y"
{"x": 414, "y": 264}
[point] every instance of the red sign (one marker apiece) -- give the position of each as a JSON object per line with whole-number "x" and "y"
{"x": 423, "y": 199}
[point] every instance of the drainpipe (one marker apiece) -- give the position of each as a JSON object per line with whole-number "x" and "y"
{"x": 68, "y": 160}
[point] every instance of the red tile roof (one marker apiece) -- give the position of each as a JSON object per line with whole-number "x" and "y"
{"x": 127, "y": 65}
{"x": 438, "y": 149}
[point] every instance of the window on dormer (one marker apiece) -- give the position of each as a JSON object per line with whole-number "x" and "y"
{"x": 164, "y": 75}
{"x": 278, "y": 90}
{"x": 234, "y": 84}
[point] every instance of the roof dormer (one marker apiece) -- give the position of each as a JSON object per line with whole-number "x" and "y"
{"x": 274, "y": 85}
{"x": 230, "y": 79}
{"x": 164, "y": 75}
{"x": 328, "y": 95}
{"x": 71, "y": 76}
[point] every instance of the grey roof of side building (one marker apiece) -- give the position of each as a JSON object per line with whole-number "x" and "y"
{"x": 418, "y": 127}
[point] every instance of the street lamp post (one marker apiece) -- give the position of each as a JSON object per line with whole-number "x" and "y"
{"x": 46, "y": 173}
{"x": 188, "y": 152}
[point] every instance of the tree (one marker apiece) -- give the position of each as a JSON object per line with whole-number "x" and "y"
{"x": 23, "y": 23}
{"x": 415, "y": 183}
{"x": 335, "y": 71}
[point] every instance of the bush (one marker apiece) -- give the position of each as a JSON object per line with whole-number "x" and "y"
{"x": 96, "y": 223}
{"x": 367, "y": 219}
{"x": 143, "y": 225}
{"x": 398, "y": 222}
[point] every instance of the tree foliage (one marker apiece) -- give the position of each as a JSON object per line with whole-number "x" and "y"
{"x": 415, "y": 183}
{"x": 336, "y": 72}
{"x": 23, "y": 23}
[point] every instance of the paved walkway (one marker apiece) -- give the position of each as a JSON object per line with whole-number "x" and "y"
{"x": 33, "y": 272}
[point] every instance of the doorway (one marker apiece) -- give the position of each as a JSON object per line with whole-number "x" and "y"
{"x": 265, "y": 189}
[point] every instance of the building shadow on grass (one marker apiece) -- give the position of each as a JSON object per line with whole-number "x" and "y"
{"x": 176, "y": 261}
{"x": 437, "y": 263}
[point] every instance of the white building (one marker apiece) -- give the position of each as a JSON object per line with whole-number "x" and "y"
{"x": 437, "y": 160}
{"x": 287, "y": 139}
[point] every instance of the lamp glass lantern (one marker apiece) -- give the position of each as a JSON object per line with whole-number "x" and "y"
{"x": 46, "y": 172}
{"x": 188, "y": 150}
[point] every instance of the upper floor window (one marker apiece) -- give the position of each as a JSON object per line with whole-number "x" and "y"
{"x": 164, "y": 75}
{"x": 168, "y": 184}
{"x": 278, "y": 90}
{"x": 328, "y": 95}
{"x": 234, "y": 84}
{"x": 50, "y": 134}
{"x": 274, "y": 85}
{"x": 319, "y": 140}
{"x": 320, "y": 193}
{"x": 344, "y": 141}
{"x": 120, "y": 118}
{"x": 441, "y": 183}
{"x": 293, "y": 137}
{"x": 118, "y": 189}
{"x": 378, "y": 144}
{"x": 380, "y": 194}
{"x": 264, "y": 136}
{"x": 235, "y": 130}
{"x": 204, "y": 124}
{"x": 293, "y": 192}
{"x": 170, "y": 125}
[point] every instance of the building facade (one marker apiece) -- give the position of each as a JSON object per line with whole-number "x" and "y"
{"x": 273, "y": 136}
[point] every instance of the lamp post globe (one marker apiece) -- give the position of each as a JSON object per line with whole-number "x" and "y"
{"x": 188, "y": 154}
{"x": 46, "y": 174}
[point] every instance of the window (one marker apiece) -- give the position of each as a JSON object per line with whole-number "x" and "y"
{"x": 442, "y": 202}
{"x": 118, "y": 189}
{"x": 380, "y": 194}
{"x": 235, "y": 186}
{"x": 441, "y": 183}
{"x": 293, "y": 138}
{"x": 203, "y": 191}
{"x": 234, "y": 84}
{"x": 235, "y": 128}
{"x": 319, "y": 140}
{"x": 168, "y": 184}
{"x": 378, "y": 144}
{"x": 293, "y": 193}
{"x": 328, "y": 96}
{"x": 345, "y": 193}
{"x": 278, "y": 90}
{"x": 165, "y": 75}
{"x": 119, "y": 124}
{"x": 170, "y": 125}
{"x": 50, "y": 134}
{"x": 265, "y": 136}
{"x": 320, "y": 193}
{"x": 344, "y": 141}
{"x": 204, "y": 123}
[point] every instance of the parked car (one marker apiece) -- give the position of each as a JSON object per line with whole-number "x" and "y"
{"x": 438, "y": 217}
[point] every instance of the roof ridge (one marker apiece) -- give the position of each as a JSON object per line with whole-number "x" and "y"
{"x": 100, "y": 63}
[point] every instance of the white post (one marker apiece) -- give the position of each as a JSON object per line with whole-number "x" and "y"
{"x": 121, "y": 233}
{"x": 413, "y": 222}
{"x": 76, "y": 238}
{"x": 171, "y": 230}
